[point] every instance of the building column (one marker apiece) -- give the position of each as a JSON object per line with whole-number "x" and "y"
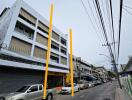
{"x": 34, "y": 39}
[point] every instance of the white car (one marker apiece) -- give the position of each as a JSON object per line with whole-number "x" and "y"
{"x": 28, "y": 92}
{"x": 91, "y": 84}
{"x": 67, "y": 89}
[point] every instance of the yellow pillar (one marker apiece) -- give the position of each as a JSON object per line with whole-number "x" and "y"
{"x": 68, "y": 78}
{"x": 71, "y": 63}
{"x": 48, "y": 52}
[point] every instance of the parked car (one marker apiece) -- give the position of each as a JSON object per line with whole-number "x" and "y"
{"x": 86, "y": 84}
{"x": 67, "y": 89}
{"x": 94, "y": 82}
{"x": 81, "y": 85}
{"x": 91, "y": 84}
{"x": 99, "y": 82}
{"x": 28, "y": 92}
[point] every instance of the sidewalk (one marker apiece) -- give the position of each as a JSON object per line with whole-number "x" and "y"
{"x": 121, "y": 94}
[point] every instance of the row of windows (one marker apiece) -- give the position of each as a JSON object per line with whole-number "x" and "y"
{"x": 42, "y": 27}
{"x": 24, "y": 48}
{"x": 41, "y": 53}
{"x": 29, "y": 33}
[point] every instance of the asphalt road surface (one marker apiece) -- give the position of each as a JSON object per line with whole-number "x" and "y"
{"x": 105, "y": 91}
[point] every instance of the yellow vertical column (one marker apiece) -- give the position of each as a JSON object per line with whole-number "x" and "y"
{"x": 48, "y": 51}
{"x": 71, "y": 63}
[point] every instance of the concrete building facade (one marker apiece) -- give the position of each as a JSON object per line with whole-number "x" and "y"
{"x": 24, "y": 39}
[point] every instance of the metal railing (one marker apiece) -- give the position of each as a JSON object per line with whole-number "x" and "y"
{"x": 127, "y": 84}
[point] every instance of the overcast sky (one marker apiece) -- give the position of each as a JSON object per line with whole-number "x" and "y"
{"x": 86, "y": 43}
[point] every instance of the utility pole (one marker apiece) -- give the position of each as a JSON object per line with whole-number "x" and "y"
{"x": 116, "y": 70}
{"x": 114, "y": 64}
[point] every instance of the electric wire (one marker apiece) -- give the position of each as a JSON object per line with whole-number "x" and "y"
{"x": 110, "y": 2}
{"x": 108, "y": 17}
{"x": 93, "y": 14}
{"x": 86, "y": 11}
{"x": 104, "y": 30}
{"x": 119, "y": 36}
{"x": 98, "y": 17}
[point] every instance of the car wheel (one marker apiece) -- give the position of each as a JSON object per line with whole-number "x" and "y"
{"x": 2, "y": 98}
{"x": 78, "y": 90}
{"x": 49, "y": 97}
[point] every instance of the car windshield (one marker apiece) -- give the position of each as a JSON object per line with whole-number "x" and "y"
{"x": 23, "y": 89}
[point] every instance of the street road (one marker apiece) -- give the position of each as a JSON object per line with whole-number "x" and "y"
{"x": 105, "y": 91}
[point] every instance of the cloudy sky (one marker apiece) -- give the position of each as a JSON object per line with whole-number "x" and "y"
{"x": 87, "y": 38}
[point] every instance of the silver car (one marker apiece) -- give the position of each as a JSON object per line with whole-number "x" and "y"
{"x": 28, "y": 92}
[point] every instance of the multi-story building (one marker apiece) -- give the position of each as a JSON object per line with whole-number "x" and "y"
{"x": 82, "y": 70}
{"x": 102, "y": 73}
{"x": 24, "y": 39}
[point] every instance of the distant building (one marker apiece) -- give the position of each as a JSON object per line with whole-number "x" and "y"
{"x": 82, "y": 70}
{"x": 102, "y": 73}
{"x": 24, "y": 39}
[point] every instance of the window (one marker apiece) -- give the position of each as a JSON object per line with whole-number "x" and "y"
{"x": 54, "y": 46}
{"x": 24, "y": 30}
{"x": 63, "y": 41}
{"x": 41, "y": 39}
{"x": 63, "y": 50}
{"x": 27, "y": 17}
{"x": 42, "y": 27}
{"x": 64, "y": 60}
{"x": 34, "y": 89}
{"x": 20, "y": 46}
{"x": 39, "y": 52}
{"x": 23, "y": 89}
{"x": 54, "y": 57}
{"x": 40, "y": 87}
{"x": 55, "y": 36}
